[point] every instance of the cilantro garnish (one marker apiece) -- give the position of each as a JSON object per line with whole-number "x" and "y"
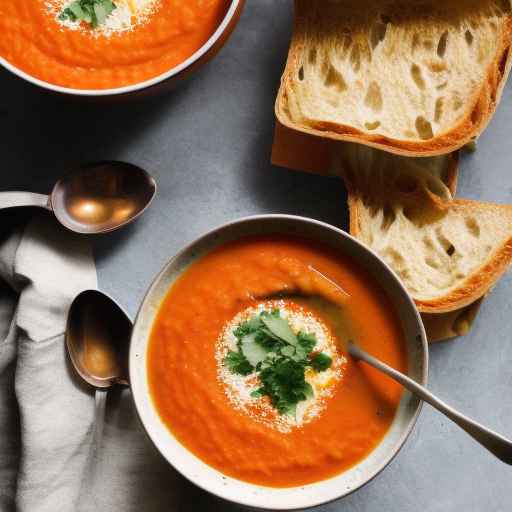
{"x": 321, "y": 362}
{"x": 93, "y": 12}
{"x": 238, "y": 363}
{"x": 268, "y": 346}
{"x": 283, "y": 381}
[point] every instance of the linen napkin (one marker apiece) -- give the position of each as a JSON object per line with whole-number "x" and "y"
{"x": 303, "y": 152}
{"x": 45, "y": 413}
{"x": 48, "y": 461}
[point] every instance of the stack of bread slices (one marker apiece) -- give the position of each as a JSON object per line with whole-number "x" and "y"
{"x": 403, "y": 84}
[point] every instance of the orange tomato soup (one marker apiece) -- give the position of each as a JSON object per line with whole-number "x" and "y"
{"x": 192, "y": 401}
{"x": 37, "y": 42}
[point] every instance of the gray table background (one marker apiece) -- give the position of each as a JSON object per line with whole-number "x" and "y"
{"x": 208, "y": 145}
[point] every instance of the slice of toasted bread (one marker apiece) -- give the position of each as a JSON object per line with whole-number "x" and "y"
{"x": 447, "y": 258}
{"x": 414, "y": 77}
{"x": 383, "y": 178}
{"x": 436, "y": 180}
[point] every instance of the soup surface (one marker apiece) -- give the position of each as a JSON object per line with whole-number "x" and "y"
{"x": 140, "y": 39}
{"x": 185, "y": 371}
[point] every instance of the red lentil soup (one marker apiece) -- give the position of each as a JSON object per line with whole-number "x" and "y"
{"x": 141, "y": 40}
{"x": 192, "y": 402}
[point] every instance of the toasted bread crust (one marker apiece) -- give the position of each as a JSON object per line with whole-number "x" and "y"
{"x": 472, "y": 288}
{"x": 478, "y": 112}
{"x": 353, "y": 193}
{"x": 443, "y": 326}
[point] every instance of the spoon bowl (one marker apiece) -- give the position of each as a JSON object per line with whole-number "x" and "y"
{"x": 96, "y": 198}
{"x": 97, "y": 339}
{"x": 101, "y": 197}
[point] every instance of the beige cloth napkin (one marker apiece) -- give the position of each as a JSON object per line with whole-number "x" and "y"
{"x": 42, "y": 409}
{"x": 48, "y": 462}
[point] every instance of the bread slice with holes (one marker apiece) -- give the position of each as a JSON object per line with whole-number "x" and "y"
{"x": 412, "y": 77}
{"x": 370, "y": 173}
{"x": 378, "y": 178}
{"x": 447, "y": 258}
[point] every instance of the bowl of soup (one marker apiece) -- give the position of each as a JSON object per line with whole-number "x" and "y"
{"x": 111, "y": 47}
{"x": 239, "y": 369}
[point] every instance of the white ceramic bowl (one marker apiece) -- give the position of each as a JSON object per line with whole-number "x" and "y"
{"x": 158, "y": 83}
{"x": 255, "y": 495}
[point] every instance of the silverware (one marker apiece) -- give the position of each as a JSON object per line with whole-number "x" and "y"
{"x": 317, "y": 233}
{"x": 494, "y": 442}
{"x": 97, "y": 338}
{"x": 96, "y": 198}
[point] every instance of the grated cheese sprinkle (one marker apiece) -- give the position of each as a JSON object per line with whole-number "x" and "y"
{"x": 238, "y": 388}
{"x": 127, "y": 15}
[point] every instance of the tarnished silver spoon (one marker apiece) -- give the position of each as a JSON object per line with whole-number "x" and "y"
{"x": 97, "y": 338}
{"x": 96, "y": 198}
{"x": 494, "y": 442}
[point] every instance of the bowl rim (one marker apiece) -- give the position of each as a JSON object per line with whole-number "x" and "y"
{"x": 242, "y": 499}
{"x": 126, "y": 89}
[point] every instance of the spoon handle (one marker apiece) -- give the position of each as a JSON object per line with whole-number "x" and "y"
{"x": 14, "y": 199}
{"x": 494, "y": 442}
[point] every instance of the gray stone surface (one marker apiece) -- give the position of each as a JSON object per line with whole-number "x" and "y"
{"x": 208, "y": 145}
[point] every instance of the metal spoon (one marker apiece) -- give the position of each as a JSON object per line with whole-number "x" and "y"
{"x": 494, "y": 442}
{"x": 97, "y": 338}
{"x": 96, "y": 198}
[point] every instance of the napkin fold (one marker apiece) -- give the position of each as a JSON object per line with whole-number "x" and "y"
{"x": 50, "y": 460}
{"x": 46, "y": 414}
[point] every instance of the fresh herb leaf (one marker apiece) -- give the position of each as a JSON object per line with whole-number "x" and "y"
{"x": 271, "y": 357}
{"x": 290, "y": 409}
{"x": 247, "y": 327}
{"x": 308, "y": 390}
{"x": 241, "y": 331}
{"x": 301, "y": 354}
{"x": 93, "y": 12}
{"x": 321, "y": 362}
{"x": 266, "y": 339}
{"x": 101, "y": 13}
{"x": 253, "y": 351}
{"x": 280, "y": 328}
{"x": 257, "y": 393}
{"x": 285, "y": 384}
{"x": 306, "y": 341}
{"x": 288, "y": 351}
{"x": 268, "y": 346}
{"x": 238, "y": 363}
